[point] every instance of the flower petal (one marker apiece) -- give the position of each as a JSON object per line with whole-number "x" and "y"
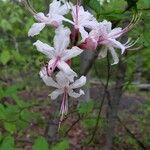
{"x": 47, "y": 80}
{"x": 71, "y": 93}
{"x": 68, "y": 54}
{"x": 35, "y": 29}
{"x": 44, "y": 48}
{"x": 115, "y": 33}
{"x": 63, "y": 66}
{"x": 55, "y": 94}
{"x": 62, "y": 38}
{"x": 78, "y": 83}
{"x": 54, "y": 7}
{"x": 107, "y": 25}
{"x": 84, "y": 34}
{"x": 64, "y": 9}
{"x": 62, "y": 79}
{"x": 114, "y": 55}
{"x": 117, "y": 44}
{"x": 40, "y": 17}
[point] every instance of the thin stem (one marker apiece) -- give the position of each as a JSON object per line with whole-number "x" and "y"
{"x": 103, "y": 99}
{"x": 132, "y": 135}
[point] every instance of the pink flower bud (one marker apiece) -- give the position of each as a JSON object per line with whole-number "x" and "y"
{"x": 89, "y": 43}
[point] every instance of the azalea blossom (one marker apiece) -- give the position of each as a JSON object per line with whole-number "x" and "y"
{"x": 53, "y": 18}
{"x": 59, "y": 54}
{"x": 83, "y": 19}
{"x": 63, "y": 86}
{"x": 106, "y": 36}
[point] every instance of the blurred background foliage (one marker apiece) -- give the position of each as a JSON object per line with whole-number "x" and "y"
{"x": 20, "y": 64}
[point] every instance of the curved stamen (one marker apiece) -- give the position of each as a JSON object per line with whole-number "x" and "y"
{"x": 29, "y": 7}
{"x": 130, "y": 43}
{"x": 132, "y": 23}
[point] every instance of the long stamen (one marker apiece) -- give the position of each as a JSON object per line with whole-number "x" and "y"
{"x": 133, "y": 22}
{"x": 130, "y": 43}
{"x": 64, "y": 107}
{"x": 29, "y": 7}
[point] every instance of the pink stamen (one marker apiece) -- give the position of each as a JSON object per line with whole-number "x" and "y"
{"x": 126, "y": 29}
{"x": 64, "y": 107}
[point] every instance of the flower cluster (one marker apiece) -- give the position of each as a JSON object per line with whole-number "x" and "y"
{"x": 86, "y": 33}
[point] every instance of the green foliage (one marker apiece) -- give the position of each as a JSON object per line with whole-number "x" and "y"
{"x": 132, "y": 88}
{"x": 5, "y": 57}
{"x": 40, "y": 144}
{"x": 86, "y": 107}
{"x": 63, "y": 145}
{"x": 7, "y": 143}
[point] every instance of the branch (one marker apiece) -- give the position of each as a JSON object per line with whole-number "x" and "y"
{"x": 142, "y": 146}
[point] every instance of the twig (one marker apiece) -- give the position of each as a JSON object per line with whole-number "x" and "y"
{"x": 74, "y": 123}
{"x": 142, "y": 146}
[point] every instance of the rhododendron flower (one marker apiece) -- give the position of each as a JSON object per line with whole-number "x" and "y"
{"x": 53, "y": 18}
{"x": 83, "y": 19}
{"x": 105, "y": 35}
{"x": 64, "y": 87}
{"x": 59, "y": 54}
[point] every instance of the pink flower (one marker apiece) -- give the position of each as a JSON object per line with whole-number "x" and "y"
{"x": 83, "y": 19}
{"x": 106, "y": 36}
{"x": 53, "y": 18}
{"x": 63, "y": 86}
{"x": 59, "y": 54}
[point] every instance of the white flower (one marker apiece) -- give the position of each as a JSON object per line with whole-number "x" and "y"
{"x": 53, "y": 18}
{"x": 63, "y": 86}
{"x": 59, "y": 54}
{"x": 105, "y": 35}
{"x": 83, "y": 19}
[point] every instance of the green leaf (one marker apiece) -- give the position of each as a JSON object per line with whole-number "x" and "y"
{"x": 40, "y": 144}
{"x": 17, "y": 57}
{"x": 94, "y": 4}
{"x": 6, "y": 25}
{"x": 11, "y": 113}
{"x": 5, "y": 57}
{"x": 86, "y": 107}
{"x": 7, "y": 143}
{"x": 26, "y": 115}
{"x": 10, "y": 127}
{"x": 63, "y": 145}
